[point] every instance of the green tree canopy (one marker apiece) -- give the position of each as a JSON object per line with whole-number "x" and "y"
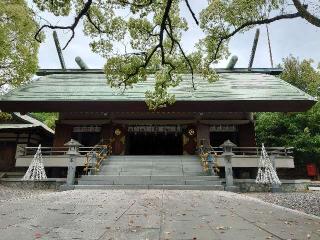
{"x": 47, "y": 118}
{"x": 18, "y": 48}
{"x": 298, "y": 130}
{"x": 151, "y": 32}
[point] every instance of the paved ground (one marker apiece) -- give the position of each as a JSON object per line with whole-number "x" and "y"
{"x": 308, "y": 202}
{"x": 150, "y": 214}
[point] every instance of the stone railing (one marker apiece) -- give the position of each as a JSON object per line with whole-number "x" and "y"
{"x": 210, "y": 157}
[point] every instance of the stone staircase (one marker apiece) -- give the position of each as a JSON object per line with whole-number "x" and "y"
{"x": 150, "y": 172}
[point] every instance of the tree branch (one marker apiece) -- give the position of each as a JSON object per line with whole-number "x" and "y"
{"x": 192, "y": 13}
{"x": 136, "y": 5}
{"x": 93, "y": 23}
{"x": 71, "y": 27}
{"x": 158, "y": 46}
{"x": 302, "y": 9}
{"x": 251, "y": 23}
{"x": 174, "y": 40}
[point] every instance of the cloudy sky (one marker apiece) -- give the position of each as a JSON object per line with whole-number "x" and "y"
{"x": 295, "y": 37}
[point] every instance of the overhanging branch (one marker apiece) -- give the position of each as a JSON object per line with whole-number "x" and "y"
{"x": 192, "y": 13}
{"x": 251, "y": 23}
{"x": 71, "y": 27}
{"x": 306, "y": 14}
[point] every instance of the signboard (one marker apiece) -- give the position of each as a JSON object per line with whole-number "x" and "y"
{"x": 87, "y": 129}
{"x": 154, "y": 129}
{"x": 223, "y": 128}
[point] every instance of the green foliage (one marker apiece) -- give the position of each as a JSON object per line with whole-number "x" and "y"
{"x": 57, "y": 7}
{"x": 302, "y": 75}
{"x": 18, "y": 51}
{"x": 47, "y": 118}
{"x": 298, "y": 130}
{"x": 151, "y": 31}
{"x": 5, "y": 116}
{"x": 221, "y": 17}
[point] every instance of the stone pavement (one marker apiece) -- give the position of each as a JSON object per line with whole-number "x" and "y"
{"x": 151, "y": 214}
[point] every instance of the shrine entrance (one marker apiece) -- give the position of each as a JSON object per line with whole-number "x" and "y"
{"x": 154, "y": 141}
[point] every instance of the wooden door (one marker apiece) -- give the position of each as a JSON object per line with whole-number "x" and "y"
{"x": 7, "y": 156}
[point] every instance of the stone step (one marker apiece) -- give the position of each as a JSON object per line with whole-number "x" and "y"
{"x": 150, "y": 182}
{"x": 153, "y": 158}
{"x": 167, "y": 161}
{"x": 138, "y": 180}
{"x": 150, "y": 173}
{"x": 169, "y": 187}
{"x": 147, "y": 177}
{"x": 150, "y": 168}
{"x": 139, "y": 163}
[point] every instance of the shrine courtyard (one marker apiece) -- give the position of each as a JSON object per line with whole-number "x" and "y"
{"x": 150, "y": 214}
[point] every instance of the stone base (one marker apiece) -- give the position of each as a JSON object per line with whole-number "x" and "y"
{"x": 66, "y": 187}
{"x": 232, "y": 189}
{"x": 50, "y": 183}
{"x": 249, "y": 185}
{"x": 276, "y": 188}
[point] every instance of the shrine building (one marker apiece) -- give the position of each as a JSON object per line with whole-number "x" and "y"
{"x": 90, "y": 111}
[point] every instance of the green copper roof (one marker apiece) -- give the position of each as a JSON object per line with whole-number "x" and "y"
{"x": 92, "y": 87}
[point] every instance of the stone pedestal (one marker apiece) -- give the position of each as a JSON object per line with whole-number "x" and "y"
{"x": 274, "y": 187}
{"x": 71, "y": 171}
{"x": 232, "y": 189}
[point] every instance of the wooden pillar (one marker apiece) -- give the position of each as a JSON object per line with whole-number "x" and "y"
{"x": 106, "y": 132}
{"x": 119, "y": 136}
{"x": 62, "y": 135}
{"x": 203, "y": 134}
{"x": 189, "y": 139}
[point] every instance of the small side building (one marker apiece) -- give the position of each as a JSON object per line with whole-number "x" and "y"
{"x": 18, "y": 132}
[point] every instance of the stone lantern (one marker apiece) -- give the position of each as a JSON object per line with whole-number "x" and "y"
{"x": 227, "y": 155}
{"x": 73, "y": 149}
{"x": 73, "y": 152}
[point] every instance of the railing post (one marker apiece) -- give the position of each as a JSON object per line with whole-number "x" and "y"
{"x": 227, "y": 155}
{"x": 72, "y": 152}
{"x": 274, "y": 154}
{"x": 92, "y": 163}
{"x": 210, "y": 163}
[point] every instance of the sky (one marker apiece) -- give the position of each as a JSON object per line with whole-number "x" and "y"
{"x": 288, "y": 37}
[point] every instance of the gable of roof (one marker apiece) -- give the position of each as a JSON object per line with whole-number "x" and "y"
{"x": 26, "y": 122}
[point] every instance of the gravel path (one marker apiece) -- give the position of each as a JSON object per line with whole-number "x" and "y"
{"x": 308, "y": 202}
{"x": 14, "y": 193}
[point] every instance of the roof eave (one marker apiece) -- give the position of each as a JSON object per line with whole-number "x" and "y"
{"x": 140, "y": 106}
